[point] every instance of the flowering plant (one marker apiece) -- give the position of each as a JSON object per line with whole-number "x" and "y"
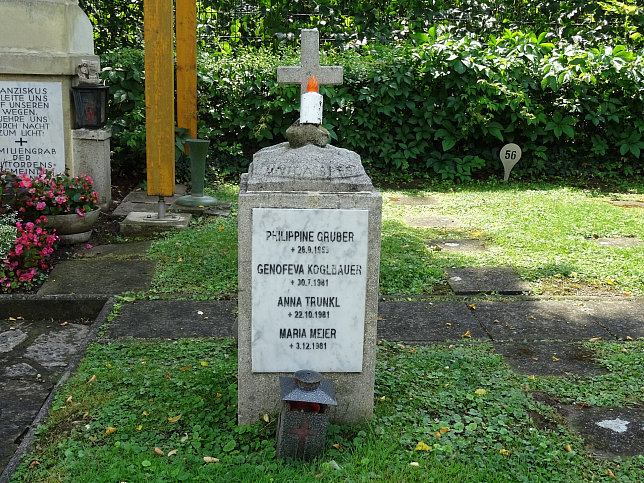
{"x": 49, "y": 194}
{"x": 29, "y": 257}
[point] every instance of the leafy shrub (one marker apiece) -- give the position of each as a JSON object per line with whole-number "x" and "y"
{"x": 443, "y": 107}
{"x": 26, "y": 262}
{"x": 230, "y": 23}
{"x": 124, "y": 73}
{"x": 7, "y": 233}
{"x": 50, "y": 194}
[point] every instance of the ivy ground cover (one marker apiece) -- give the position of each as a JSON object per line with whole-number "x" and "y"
{"x": 166, "y": 411}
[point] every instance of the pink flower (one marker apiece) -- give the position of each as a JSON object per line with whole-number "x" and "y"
{"x": 79, "y": 212}
{"x": 89, "y": 246}
{"x": 41, "y": 205}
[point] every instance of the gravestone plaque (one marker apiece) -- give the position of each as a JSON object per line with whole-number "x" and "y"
{"x": 31, "y": 127}
{"x": 309, "y": 279}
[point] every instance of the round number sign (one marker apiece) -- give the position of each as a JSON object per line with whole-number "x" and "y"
{"x": 510, "y": 155}
{"x": 510, "y": 152}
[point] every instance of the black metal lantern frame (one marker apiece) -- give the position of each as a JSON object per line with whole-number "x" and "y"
{"x": 90, "y": 102}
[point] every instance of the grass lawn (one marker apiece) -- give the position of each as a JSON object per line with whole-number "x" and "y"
{"x": 153, "y": 411}
{"x": 546, "y": 232}
{"x": 166, "y": 411}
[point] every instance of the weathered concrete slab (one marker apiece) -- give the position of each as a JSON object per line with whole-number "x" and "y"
{"x": 549, "y": 358}
{"x": 174, "y": 319}
{"x": 619, "y": 242}
{"x": 19, "y": 404}
{"x": 54, "y": 348}
{"x": 457, "y": 245}
{"x": 623, "y": 317}
{"x": 426, "y": 322}
{"x": 433, "y": 222}
{"x": 414, "y": 200}
{"x": 538, "y": 320}
{"x": 502, "y": 280}
{"x": 11, "y": 338}
{"x": 628, "y": 203}
{"x": 608, "y": 432}
{"x": 128, "y": 250}
{"x": 99, "y": 276}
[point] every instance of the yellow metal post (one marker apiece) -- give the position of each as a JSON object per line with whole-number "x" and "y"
{"x": 186, "y": 20}
{"x": 159, "y": 96}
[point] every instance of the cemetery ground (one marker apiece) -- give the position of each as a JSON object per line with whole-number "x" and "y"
{"x": 462, "y": 405}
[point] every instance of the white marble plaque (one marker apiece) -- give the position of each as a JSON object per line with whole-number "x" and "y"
{"x": 309, "y": 279}
{"x": 31, "y": 127}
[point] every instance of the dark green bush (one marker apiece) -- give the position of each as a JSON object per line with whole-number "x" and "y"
{"x": 124, "y": 72}
{"x": 443, "y": 107}
{"x": 119, "y": 23}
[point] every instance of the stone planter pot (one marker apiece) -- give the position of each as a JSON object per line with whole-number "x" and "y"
{"x": 72, "y": 228}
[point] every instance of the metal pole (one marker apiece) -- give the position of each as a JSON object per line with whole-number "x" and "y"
{"x": 161, "y": 208}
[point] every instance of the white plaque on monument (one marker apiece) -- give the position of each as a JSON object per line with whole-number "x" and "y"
{"x": 31, "y": 127}
{"x": 309, "y": 279}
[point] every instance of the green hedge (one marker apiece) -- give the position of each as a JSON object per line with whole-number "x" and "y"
{"x": 443, "y": 107}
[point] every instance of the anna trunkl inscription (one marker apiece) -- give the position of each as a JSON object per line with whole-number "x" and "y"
{"x": 309, "y": 275}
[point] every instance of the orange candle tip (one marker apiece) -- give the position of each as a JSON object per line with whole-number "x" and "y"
{"x": 312, "y": 86}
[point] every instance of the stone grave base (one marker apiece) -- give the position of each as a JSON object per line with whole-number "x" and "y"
{"x": 147, "y": 222}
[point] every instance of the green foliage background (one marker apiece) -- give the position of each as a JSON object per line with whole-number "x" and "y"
{"x": 429, "y": 90}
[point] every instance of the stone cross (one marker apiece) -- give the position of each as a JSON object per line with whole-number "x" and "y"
{"x": 310, "y": 65}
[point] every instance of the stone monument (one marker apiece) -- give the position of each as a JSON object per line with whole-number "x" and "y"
{"x": 42, "y": 43}
{"x": 309, "y": 256}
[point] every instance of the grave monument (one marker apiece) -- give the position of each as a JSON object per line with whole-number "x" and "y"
{"x": 42, "y": 44}
{"x": 309, "y": 255}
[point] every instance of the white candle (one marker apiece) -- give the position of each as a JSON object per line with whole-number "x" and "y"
{"x": 311, "y": 104}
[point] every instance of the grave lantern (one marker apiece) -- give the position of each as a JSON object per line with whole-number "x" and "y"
{"x": 303, "y": 420}
{"x": 90, "y": 105}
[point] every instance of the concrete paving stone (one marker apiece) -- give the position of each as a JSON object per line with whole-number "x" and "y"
{"x": 432, "y": 222}
{"x": 22, "y": 369}
{"x": 538, "y": 320}
{"x": 415, "y": 201}
{"x": 549, "y": 358}
{"x": 18, "y": 411}
{"x": 99, "y": 276}
{"x": 619, "y": 242}
{"x": 469, "y": 281}
{"x": 608, "y": 432}
{"x": 9, "y": 339}
{"x": 174, "y": 319}
{"x": 128, "y": 250}
{"x": 623, "y": 317}
{"x": 55, "y": 347}
{"x": 628, "y": 203}
{"x": 457, "y": 245}
{"x": 426, "y": 322}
